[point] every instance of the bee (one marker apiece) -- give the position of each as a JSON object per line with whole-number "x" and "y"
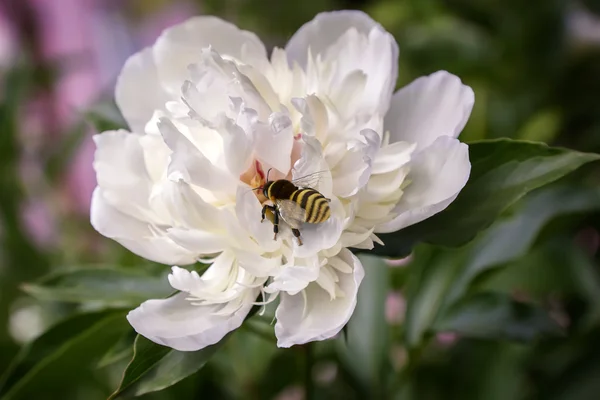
{"x": 296, "y": 205}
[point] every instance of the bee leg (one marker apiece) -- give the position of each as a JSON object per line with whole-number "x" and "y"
{"x": 275, "y": 223}
{"x": 264, "y": 211}
{"x": 296, "y": 233}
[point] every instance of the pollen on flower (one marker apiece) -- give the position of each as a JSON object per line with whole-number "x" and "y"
{"x": 259, "y": 170}
{"x": 255, "y": 176}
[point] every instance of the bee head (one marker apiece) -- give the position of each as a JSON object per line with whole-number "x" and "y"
{"x": 266, "y": 187}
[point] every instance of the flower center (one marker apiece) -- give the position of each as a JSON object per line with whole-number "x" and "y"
{"x": 256, "y": 175}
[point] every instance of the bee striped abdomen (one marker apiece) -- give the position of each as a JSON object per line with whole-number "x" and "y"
{"x": 315, "y": 205}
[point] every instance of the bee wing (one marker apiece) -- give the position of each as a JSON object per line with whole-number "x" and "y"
{"x": 291, "y": 212}
{"x": 310, "y": 180}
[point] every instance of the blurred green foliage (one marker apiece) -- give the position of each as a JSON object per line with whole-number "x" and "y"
{"x": 513, "y": 314}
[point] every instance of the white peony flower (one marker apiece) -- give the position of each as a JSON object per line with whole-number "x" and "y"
{"x": 210, "y": 113}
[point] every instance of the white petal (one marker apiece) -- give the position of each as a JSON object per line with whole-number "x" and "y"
{"x": 237, "y": 148}
{"x": 327, "y": 280}
{"x": 187, "y": 208}
{"x": 429, "y": 107}
{"x": 184, "y": 280}
{"x": 262, "y": 85}
{"x": 257, "y": 265}
{"x": 340, "y": 265}
{"x": 238, "y": 236}
{"x": 354, "y": 169}
{"x": 311, "y": 166}
{"x": 355, "y": 42}
{"x": 190, "y": 165}
{"x": 392, "y": 157}
{"x": 215, "y": 82}
{"x": 248, "y": 210}
{"x": 138, "y": 92}
{"x": 121, "y": 171}
{"x": 385, "y": 185}
{"x": 197, "y": 241}
{"x": 273, "y": 142}
{"x": 221, "y": 268}
{"x": 355, "y": 239}
{"x": 295, "y": 275}
{"x": 312, "y": 315}
{"x": 176, "y": 323}
{"x": 320, "y": 33}
{"x": 437, "y": 174}
{"x": 181, "y": 45}
{"x": 135, "y": 235}
{"x": 314, "y": 120}
{"x": 156, "y": 155}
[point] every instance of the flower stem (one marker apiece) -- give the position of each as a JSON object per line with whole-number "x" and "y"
{"x": 308, "y": 366}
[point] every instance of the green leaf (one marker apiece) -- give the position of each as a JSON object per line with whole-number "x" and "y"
{"x": 48, "y": 343}
{"x": 431, "y": 277}
{"x": 496, "y": 316}
{"x": 146, "y": 355}
{"x": 512, "y": 237}
{"x": 502, "y": 171}
{"x": 66, "y": 350}
{"x": 104, "y": 286}
{"x": 155, "y": 367}
{"x": 121, "y": 350}
{"x": 366, "y": 346}
{"x": 438, "y": 277}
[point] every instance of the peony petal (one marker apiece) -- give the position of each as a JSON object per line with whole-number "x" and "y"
{"x": 320, "y": 33}
{"x": 138, "y": 92}
{"x": 121, "y": 172}
{"x": 295, "y": 275}
{"x": 312, "y": 315}
{"x": 353, "y": 171}
{"x": 437, "y": 174}
{"x": 176, "y": 323}
{"x": 429, "y": 107}
{"x": 274, "y": 142}
{"x": 156, "y": 155}
{"x": 190, "y": 165}
{"x": 328, "y": 279}
{"x": 197, "y": 241}
{"x": 357, "y": 239}
{"x": 392, "y": 157}
{"x": 237, "y": 148}
{"x": 238, "y": 235}
{"x": 135, "y": 235}
{"x": 311, "y": 170}
{"x": 314, "y": 120}
{"x": 184, "y": 280}
{"x": 181, "y": 45}
{"x": 248, "y": 211}
{"x": 257, "y": 265}
{"x": 217, "y": 85}
{"x": 354, "y": 42}
{"x": 187, "y": 208}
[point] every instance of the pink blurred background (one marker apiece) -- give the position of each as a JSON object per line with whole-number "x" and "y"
{"x": 85, "y": 42}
